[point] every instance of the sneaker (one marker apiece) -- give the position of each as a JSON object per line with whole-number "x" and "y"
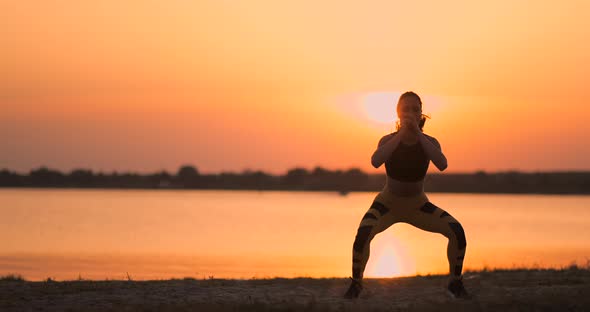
{"x": 354, "y": 290}
{"x": 456, "y": 290}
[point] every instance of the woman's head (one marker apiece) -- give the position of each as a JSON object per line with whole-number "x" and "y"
{"x": 409, "y": 106}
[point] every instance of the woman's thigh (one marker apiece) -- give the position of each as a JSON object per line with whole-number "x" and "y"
{"x": 431, "y": 218}
{"x": 394, "y": 209}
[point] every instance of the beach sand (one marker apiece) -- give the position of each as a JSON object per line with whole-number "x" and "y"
{"x": 492, "y": 290}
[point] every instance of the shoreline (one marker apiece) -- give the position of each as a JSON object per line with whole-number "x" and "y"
{"x": 502, "y": 289}
{"x": 330, "y": 191}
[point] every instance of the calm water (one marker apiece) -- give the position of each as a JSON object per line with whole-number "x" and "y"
{"x": 98, "y": 234}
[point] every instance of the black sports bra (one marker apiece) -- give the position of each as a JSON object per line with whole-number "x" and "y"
{"x": 407, "y": 163}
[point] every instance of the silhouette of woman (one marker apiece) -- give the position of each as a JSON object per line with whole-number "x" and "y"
{"x": 406, "y": 154}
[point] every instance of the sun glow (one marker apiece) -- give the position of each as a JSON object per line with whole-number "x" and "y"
{"x": 380, "y": 106}
{"x": 388, "y": 259}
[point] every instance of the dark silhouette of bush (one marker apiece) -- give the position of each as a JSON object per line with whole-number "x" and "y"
{"x": 187, "y": 176}
{"x": 9, "y": 178}
{"x": 81, "y": 178}
{"x": 44, "y": 177}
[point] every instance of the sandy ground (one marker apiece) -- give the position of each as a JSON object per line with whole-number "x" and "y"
{"x": 499, "y": 290}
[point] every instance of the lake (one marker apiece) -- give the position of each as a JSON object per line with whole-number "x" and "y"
{"x": 160, "y": 234}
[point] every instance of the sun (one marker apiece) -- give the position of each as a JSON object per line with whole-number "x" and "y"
{"x": 380, "y": 107}
{"x": 388, "y": 258}
{"x": 386, "y": 265}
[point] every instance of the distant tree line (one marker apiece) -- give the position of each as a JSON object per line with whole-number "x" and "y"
{"x": 318, "y": 179}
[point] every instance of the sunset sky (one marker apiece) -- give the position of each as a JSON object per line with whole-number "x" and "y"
{"x": 271, "y": 85}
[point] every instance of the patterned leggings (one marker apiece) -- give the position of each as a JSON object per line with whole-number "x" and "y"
{"x": 388, "y": 209}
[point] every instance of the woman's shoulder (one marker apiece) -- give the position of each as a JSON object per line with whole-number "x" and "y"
{"x": 428, "y": 136}
{"x": 432, "y": 139}
{"x": 386, "y": 138}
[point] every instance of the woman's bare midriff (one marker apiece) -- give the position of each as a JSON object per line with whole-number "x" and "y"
{"x": 405, "y": 189}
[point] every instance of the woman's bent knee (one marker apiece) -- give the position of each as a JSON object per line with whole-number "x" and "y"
{"x": 362, "y": 237}
{"x": 459, "y": 233}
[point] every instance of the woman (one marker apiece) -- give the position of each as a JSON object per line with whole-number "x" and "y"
{"x": 406, "y": 154}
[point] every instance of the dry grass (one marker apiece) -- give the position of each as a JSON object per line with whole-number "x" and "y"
{"x": 12, "y": 278}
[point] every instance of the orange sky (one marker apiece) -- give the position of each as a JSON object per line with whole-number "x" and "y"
{"x": 270, "y": 85}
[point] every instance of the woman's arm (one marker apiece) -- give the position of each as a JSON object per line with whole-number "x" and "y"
{"x": 433, "y": 150}
{"x": 386, "y": 146}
